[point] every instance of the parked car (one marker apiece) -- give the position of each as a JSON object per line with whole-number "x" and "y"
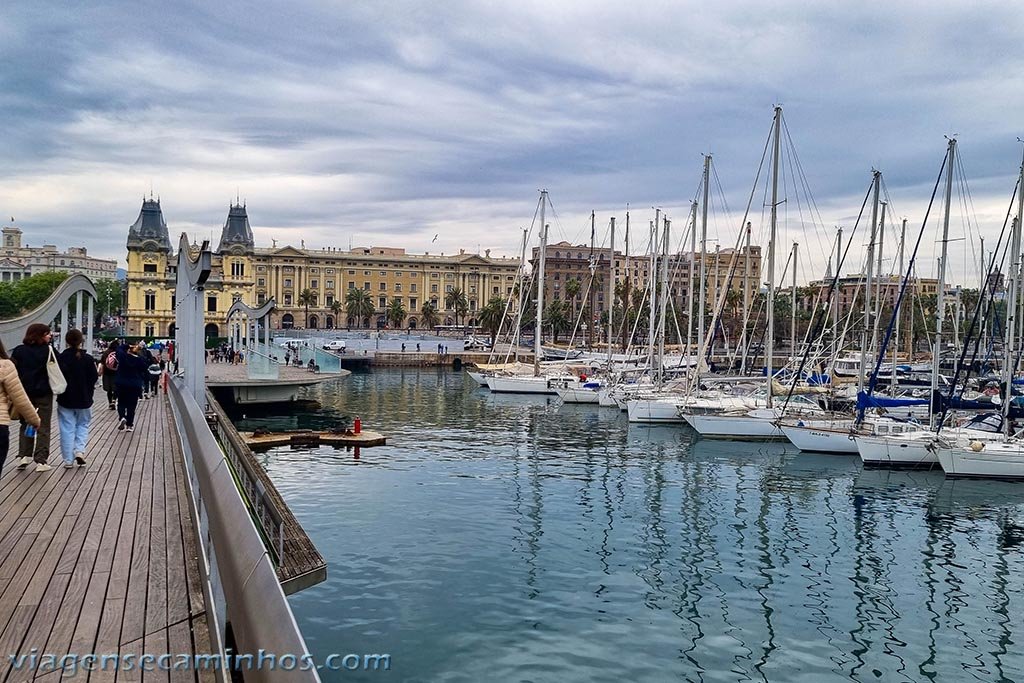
{"x": 335, "y": 345}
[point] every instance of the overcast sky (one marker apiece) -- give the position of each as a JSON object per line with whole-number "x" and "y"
{"x": 388, "y": 123}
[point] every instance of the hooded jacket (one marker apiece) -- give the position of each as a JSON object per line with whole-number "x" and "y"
{"x": 79, "y": 370}
{"x": 12, "y": 393}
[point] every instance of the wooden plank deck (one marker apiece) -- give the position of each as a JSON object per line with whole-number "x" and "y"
{"x": 102, "y": 559}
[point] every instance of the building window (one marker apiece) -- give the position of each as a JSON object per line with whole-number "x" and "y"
{"x": 328, "y": 301}
{"x": 211, "y": 304}
{"x": 314, "y": 284}
{"x": 287, "y": 299}
{"x": 412, "y": 304}
{"x": 448, "y": 288}
{"x": 383, "y": 301}
{"x": 261, "y": 298}
{"x": 314, "y": 270}
{"x": 383, "y": 286}
{"x": 351, "y": 272}
{"x": 150, "y": 301}
{"x": 433, "y": 289}
{"x": 398, "y": 286}
{"x": 366, "y": 286}
{"x": 398, "y": 273}
{"x": 261, "y": 282}
{"x": 287, "y": 282}
{"x": 149, "y": 268}
{"x": 383, "y": 273}
{"x": 330, "y": 284}
{"x": 351, "y": 285}
{"x": 237, "y": 269}
{"x": 330, "y": 271}
{"x": 150, "y": 330}
{"x": 412, "y": 287}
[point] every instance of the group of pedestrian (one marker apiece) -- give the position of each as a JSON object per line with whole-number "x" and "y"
{"x": 34, "y": 373}
{"x": 225, "y": 354}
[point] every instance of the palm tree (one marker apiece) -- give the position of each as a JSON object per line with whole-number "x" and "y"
{"x": 556, "y": 316}
{"x": 336, "y": 308}
{"x": 456, "y": 300}
{"x": 429, "y": 315}
{"x": 572, "y": 290}
{"x": 492, "y": 315}
{"x": 358, "y": 304}
{"x": 307, "y": 298}
{"x": 396, "y": 312}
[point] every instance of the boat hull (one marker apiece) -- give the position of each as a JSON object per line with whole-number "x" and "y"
{"x": 900, "y": 451}
{"x": 649, "y": 411}
{"x": 735, "y": 427}
{"x": 994, "y": 461}
{"x": 519, "y": 385}
{"x": 823, "y": 437}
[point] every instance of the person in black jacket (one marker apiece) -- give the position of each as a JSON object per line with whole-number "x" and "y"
{"x": 74, "y": 406}
{"x": 30, "y": 358}
{"x": 131, "y": 377}
{"x": 109, "y": 373}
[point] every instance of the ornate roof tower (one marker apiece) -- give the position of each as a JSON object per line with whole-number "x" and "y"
{"x": 236, "y": 236}
{"x": 149, "y": 231}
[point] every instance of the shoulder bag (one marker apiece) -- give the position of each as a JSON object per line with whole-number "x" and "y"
{"x": 58, "y": 384}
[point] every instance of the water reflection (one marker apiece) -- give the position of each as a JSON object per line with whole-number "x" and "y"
{"x": 513, "y": 538}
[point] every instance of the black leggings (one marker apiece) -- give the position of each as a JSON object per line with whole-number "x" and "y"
{"x": 5, "y": 443}
{"x": 127, "y": 401}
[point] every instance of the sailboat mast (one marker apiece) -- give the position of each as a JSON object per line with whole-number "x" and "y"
{"x": 1009, "y": 344}
{"x": 865, "y": 340}
{"x": 653, "y": 281}
{"x": 590, "y": 286}
{"x": 835, "y": 297}
{"x": 880, "y": 289}
{"x": 899, "y": 311}
{"x": 627, "y": 290}
{"x": 610, "y": 299}
{"x": 746, "y": 304}
{"x": 769, "y": 347}
{"x": 693, "y": 264}
{"x": 940, "y": 297}
{"x": 522, "y": 296}
{"x": 792, "y": 312}
{"x": 539, "y": 324}
{"x": 703, "y": 255}
{"x": 662, "y": 314}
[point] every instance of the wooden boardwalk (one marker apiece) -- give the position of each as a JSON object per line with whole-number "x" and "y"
{"x": 102, "y": 559}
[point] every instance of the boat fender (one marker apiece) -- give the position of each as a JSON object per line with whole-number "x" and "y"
{"x": 977, "y": 446}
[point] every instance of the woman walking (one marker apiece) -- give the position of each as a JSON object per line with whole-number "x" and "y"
{"x": 131, "y": 377}
{"x": 74, "y": 406}
{"x": 12, "y": 396}
{"x": 108, "y": 369}
{"x": 30, "y": 358}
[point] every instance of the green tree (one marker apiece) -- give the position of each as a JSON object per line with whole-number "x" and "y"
{"x": 108, "y": 296}
{"x": 572, "y": 290}
{"x": 27, "y": 293}
{"x": 428, "y": 315}
{"x": 306, "y": 299}
{"x": 336, "y": 308}
{"x": 455, "y": 300}
{"x": 492, "y": 316}
{"x": 396, "y": 312}
{"x": 556, "y": 316}
{"x": 359, "y": 305}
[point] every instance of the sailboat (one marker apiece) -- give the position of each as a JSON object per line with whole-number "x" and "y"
{"x": 1001, "y": 458}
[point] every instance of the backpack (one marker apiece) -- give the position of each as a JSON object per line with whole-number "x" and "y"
{"x": 111, "y": 362}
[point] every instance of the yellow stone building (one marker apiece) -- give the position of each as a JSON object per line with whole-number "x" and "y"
{"x": 243, "y": 271}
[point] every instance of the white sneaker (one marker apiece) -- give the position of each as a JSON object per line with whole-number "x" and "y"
{"x": 43, "y": 467}
{"x": 80, "y": 459}
{"x": 24, "y": 462}
{"x": 68, "y": 465}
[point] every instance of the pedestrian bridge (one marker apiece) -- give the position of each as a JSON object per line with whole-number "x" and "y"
{"x": 172, "y": 540}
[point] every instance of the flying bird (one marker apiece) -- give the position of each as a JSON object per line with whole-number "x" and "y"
{"x": 431, "y": 241}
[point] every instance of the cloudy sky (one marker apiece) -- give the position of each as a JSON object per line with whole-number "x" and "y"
{"x": 391, "y": 122}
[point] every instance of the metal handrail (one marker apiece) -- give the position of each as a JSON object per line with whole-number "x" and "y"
{"x": 269, "y": 516}
{"x": 242, "y": 571}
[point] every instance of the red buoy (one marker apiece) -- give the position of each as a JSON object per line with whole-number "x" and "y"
{"x": 357, "y": 426}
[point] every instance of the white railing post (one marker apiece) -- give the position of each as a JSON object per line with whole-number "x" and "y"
{"x": 89, "y": 323}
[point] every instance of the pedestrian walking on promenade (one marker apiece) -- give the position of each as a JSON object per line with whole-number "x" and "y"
{"x": 74, "y": 406}
{"x": 108, "y": 370}
{"x": 12, "y": 399}
{"x": 132, "y": 374}
{"x": 30, "y": 358}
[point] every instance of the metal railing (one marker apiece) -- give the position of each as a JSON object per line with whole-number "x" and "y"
{"x": 271, "y": 522}
{"x": 240, "y": 581}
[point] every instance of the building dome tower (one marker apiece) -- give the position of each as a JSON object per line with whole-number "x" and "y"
{"x": 150, "y": 284}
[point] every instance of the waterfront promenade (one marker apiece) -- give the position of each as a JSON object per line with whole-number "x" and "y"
{"x": 102, "y": 559}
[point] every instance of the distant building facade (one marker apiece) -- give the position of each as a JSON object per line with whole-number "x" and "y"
{"x": 241, "y": 271}
{"x": 18, "y": 260}
{"x": 727, "y": 269}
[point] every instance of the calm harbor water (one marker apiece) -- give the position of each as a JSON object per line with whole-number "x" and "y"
{"x": 512, "y": 539}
